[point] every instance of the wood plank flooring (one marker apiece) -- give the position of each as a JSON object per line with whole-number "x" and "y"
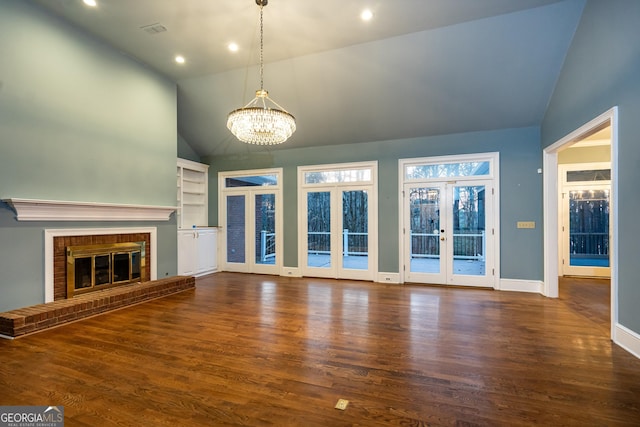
{"x": 263, "y": 350}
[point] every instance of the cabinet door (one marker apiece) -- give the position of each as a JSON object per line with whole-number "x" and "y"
{"x": 206, "y": 242}
{"x": 187, "y": 253}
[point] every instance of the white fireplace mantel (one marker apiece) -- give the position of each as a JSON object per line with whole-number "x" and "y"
{"x": 56, "y": 210}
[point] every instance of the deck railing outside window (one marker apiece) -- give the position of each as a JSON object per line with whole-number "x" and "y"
{"x": 465, "y": 245}
{"x": 423, "y": 245}
{"x": 589, "y": 244}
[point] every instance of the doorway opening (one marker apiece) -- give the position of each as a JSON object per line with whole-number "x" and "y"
{"x": 602, "y": 127}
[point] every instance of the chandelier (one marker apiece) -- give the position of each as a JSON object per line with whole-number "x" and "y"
{"x": 262, "y": 121}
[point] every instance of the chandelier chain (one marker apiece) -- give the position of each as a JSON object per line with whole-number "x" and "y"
{"x": 261, "y": 49}
{"x": 256, "y": 122}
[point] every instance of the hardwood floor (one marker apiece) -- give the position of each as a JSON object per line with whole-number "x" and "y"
{"x": 590, "y": 297}
{"x": 264, "y": 350}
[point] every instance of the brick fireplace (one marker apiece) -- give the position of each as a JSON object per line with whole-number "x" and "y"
{"x": 61, "y": 245}
{"x": 58, "y": 309}
{"x": 58, "y": 240}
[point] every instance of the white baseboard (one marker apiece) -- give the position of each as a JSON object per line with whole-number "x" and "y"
{"x": 388, "y": 278}
{"x": 518, "y": 285}
{"x": 291, "y": 272}
{"x": 627, "y": 339}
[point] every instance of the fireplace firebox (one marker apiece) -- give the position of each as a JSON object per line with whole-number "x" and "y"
{"x": 94, "y": 267}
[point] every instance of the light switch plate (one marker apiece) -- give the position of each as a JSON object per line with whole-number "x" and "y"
{"x": 526, "y": 224}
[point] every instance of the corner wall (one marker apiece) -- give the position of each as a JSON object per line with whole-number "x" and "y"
{"x": 601, "y": 71}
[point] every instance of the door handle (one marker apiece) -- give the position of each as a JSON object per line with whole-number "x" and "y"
{"x": 442, "y": 239}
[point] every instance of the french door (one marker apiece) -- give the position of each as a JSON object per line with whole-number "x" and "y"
{"x": 446, "y": 239}
{"x": 250, "y": 213}
{"x": 337, "y": 222}
{"x": 449, "y": 226}
{"x": 585, "y": 219}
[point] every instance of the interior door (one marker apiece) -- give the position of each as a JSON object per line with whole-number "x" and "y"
{"x": 448, "y": 233}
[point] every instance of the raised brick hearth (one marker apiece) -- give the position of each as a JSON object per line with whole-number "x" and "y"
{"x": 27, "y": 320}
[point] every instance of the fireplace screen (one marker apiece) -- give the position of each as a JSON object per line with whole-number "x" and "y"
{"x": 94, "y": 267}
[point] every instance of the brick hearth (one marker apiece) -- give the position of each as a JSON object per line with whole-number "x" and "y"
{"x": 27, "y": 320}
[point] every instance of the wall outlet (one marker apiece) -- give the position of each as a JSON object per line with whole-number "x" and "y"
{"x": 290, "y": 272}
{"x": 342, "y": 404}
{"x": 388, "y": 278}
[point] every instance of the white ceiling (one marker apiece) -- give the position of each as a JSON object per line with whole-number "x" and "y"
{"x": 419, "y": 68}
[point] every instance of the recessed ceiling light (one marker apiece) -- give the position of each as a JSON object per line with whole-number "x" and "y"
{"x": 233, "y": 47}
{"x": 366, "y": 15}
{"x": 91, "y": 3}
{"x": 180, "y": 59}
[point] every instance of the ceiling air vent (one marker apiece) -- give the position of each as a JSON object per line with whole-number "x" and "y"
{"x": 154, "y": 28}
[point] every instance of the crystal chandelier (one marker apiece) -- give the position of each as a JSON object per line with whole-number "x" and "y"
{"x": 262, "y": 121}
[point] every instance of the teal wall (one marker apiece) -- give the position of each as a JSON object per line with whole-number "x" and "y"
{"x": 602, "y": 70}
{"x": 78, "y": 121}
{"x": 185, "y": 151}
{"x": 520, "y": 186}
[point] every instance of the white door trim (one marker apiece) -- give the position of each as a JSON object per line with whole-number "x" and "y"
{"x": 551, "y": 207}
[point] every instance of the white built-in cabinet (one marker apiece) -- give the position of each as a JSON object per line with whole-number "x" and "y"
{"x": 197, "y": 243}
{"x": 197, "y": 251}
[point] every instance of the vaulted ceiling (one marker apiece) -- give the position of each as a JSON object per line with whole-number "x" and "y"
{"x": 418, "y": 68}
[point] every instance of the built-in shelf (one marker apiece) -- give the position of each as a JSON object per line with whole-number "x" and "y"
{"x": 57, "y": 210}
{"x": 192, "y": 196}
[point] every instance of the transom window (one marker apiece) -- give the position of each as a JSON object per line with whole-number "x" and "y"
{"x": 251, "y": 181}
{"x": 447, "y": 170}
{"x": 338, "y": 176}
{"x": 589, "y": 175}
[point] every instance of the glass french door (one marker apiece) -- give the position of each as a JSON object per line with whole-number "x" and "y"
{"x": 337, "y": 220}
{"x": 251, "y": 233}
{"x": 251, "y": 216}
{"x": 586, "y": 231}
{"x": 586, "y": 207}
{"x": 448, "y": 233}
{"x": 337, "y": 233}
